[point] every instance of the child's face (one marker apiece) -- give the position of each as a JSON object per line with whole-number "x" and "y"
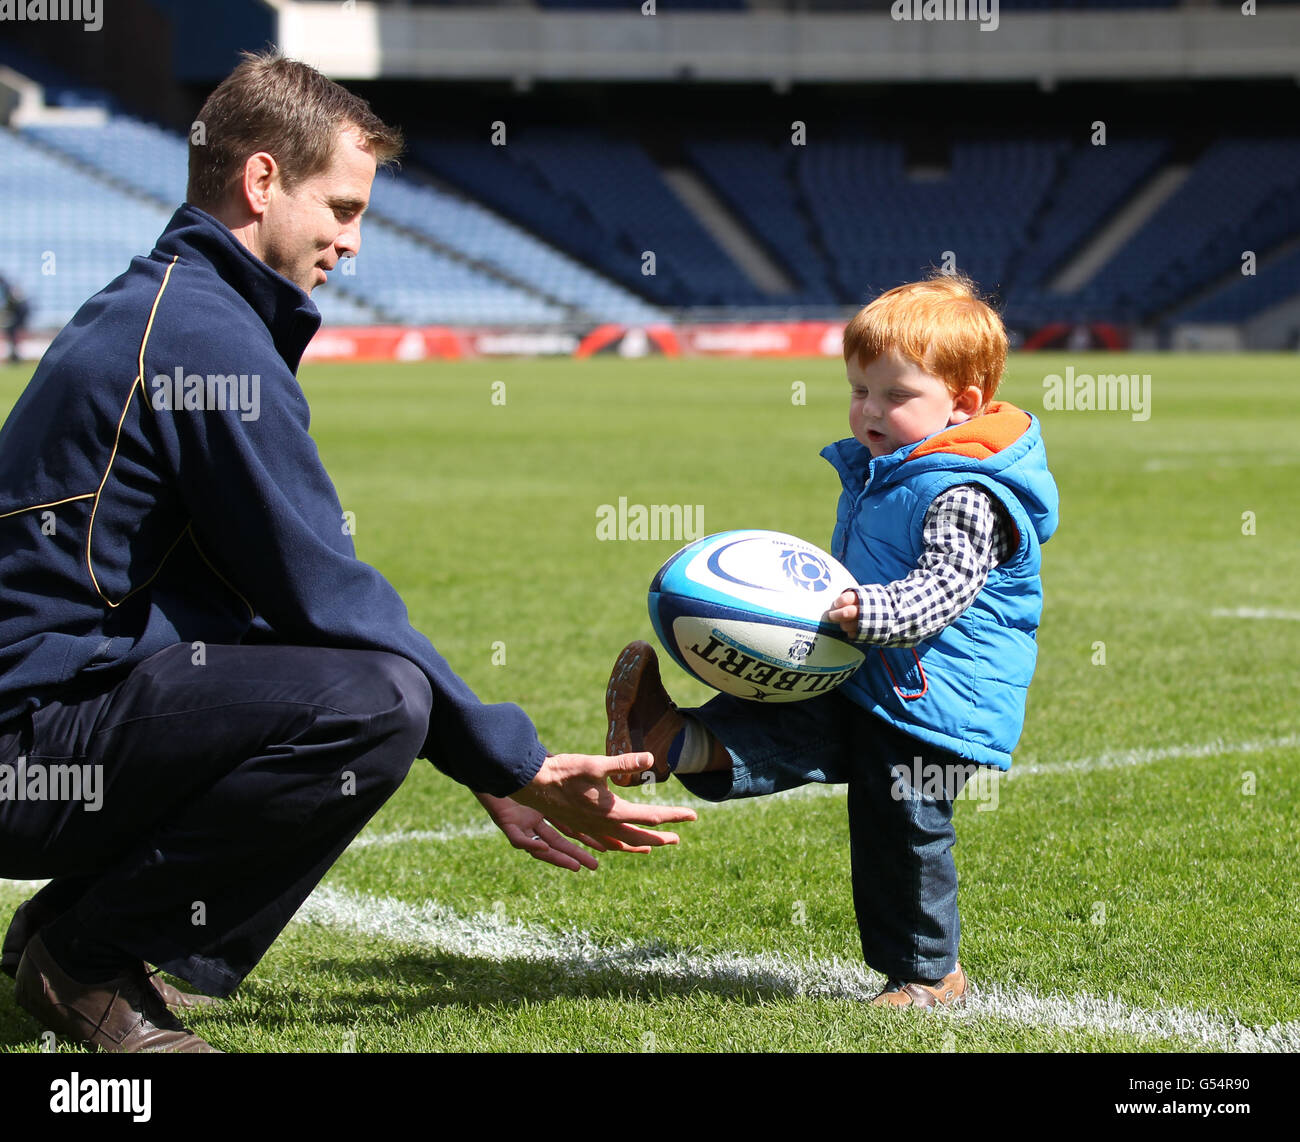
{"x": 895, "y": 402}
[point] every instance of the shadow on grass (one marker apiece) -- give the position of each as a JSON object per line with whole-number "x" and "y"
{"x": 334, "y": 992}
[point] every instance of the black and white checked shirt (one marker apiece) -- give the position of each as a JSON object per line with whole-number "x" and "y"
{"x": 965, "y": 535}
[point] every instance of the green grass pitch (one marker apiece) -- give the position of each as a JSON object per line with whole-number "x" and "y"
{"x": 1143, "y": 899}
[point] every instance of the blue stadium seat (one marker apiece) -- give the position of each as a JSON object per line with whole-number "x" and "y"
{"x": 391, "y": 272}
{"x": 64, "y": 236}
{"x": 604, "y": 201}
{"x": 881, "y": 227}
{"x": 752, "y": 178}
{"x": 1237, "y": 197}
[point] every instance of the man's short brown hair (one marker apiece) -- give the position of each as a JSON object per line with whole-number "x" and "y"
{"x": 286, "y": 108}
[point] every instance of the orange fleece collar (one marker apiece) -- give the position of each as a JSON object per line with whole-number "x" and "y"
{"x": 999, "y": 426}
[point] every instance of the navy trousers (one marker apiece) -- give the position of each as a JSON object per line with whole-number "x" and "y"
{"x": 229, "y": 780}
{"x": 900, "y": 824}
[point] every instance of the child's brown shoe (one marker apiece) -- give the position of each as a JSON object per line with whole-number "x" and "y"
{"x": 641, "y": 715}
{"x": 948, "y": 992}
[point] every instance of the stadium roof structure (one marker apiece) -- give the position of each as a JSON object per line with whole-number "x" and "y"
{"x": 524, "y": 45}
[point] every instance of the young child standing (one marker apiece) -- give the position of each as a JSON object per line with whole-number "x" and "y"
{"x": 946, "y": 500}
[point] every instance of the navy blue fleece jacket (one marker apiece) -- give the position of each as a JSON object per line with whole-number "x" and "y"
{"x": 128, "y": 524}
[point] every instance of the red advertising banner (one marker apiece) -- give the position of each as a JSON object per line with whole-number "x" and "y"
{"x": 385, "y": 343}
{"x": 763, "y": 339}
{"x": 440, "y": 342}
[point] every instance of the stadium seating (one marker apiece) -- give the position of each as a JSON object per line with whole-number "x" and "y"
{"x": 64, "y": 236}
{"x": 134, "y": 152}
{"x": 603, "y": 200}
{"x": 60, "y": 89}
{"x": 154, "y": 162}
{"x": 881, "y": 226}
{"x": 1245, "y": 297}
{"x": 565, "y": 216}
{"x": 752, "y": 178}
{"x": 1237, "y": 197}
{"x": 1093, "y": 182}
{"x": 479, "y": 234}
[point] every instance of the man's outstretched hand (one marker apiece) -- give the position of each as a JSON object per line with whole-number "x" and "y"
{"x": 571, "y": 793}
{"x": 528, "y": 830}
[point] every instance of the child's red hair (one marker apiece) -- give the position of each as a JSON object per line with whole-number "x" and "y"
{"x": 940, "y": 324}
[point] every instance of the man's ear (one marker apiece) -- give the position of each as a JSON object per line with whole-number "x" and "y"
{"x": 261, "y": 174}
{"x": 967, "y": 404}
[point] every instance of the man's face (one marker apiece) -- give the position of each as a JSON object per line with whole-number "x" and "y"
{"x": 895, "y": 402}
{"x": 307, "y": 230}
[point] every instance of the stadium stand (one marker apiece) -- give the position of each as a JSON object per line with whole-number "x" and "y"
{"x": 395, "y": 279}
{"x": 65, "y": 236}
{"x": 478, "y": 234}
{"x": 1246, "y": 296}
{"x": 882, "y": 225}
{"x": 1092, "y": 184}
{"x": 604, "y": 201}
{"x": 61, "y": 89}
{"x": 1235, "y": 199}
{"x": 554, "y": 227}
{"x": 66, "y": 233}
{"x": 752, "y": 178}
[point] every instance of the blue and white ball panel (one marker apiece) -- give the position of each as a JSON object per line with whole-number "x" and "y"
{"x": 742, "y": 612}
{"x": 763, "y": 572}
{"x": 760, "y": 661}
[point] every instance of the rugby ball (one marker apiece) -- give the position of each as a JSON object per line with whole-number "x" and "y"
{"x": 743, "y": 612}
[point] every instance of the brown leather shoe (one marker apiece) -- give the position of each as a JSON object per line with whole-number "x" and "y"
{"x": 123, "y": 1015}
{"x": 28, "y": 919}
{"x": 948, "y": 992}
{"x": 31, "y": 917}
{"x": 176, "y": 999}
{"x": 641, "y": 715}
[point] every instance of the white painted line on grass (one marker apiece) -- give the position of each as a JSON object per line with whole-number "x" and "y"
{"x": 1116, "y": 759}
{"x": 1254, "y": 613}
{"x": 1119, "y": 759}
{"x": 403, "y": 836}
{"x": 434, "y": 928}
{"x": 1126, "y": 758}
{"x": 676, "y": 794}
{"x": 1202, "y": 463}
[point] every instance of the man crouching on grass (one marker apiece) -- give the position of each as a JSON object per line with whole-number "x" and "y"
{"x": 184, "y": 616}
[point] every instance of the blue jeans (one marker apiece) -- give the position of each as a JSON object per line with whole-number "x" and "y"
{"x": 904, "y": 877}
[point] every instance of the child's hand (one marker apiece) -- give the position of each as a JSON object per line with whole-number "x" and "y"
{"x": 845, "y": 613}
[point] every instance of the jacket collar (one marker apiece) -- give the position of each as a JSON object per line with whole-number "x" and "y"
{"x": 1002, "y": 434}
{"x": 285, "y": 309}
